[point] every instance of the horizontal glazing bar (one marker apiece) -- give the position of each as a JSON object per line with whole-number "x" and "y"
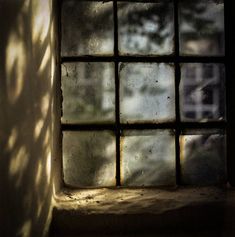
{"x": 171, "y": 125}
{"x": 142, "y": 1}
{"x": 178, "y": 59}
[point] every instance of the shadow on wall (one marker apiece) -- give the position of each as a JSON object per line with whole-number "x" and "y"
{"x": 27, "y": 72}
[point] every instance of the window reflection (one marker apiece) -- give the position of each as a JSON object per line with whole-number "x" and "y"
{"x": 201, "y": 27}
{"x": 146, "y": 28}
{"x": 88, "y": 92}
{"x": 148, "y": 158}
{"x": 147, "y": 92}
{"x": 202, "y": 92}
{"x": 89, "y": 159}
{"x": 203, "y": 157}
{"x": 87, "y": 28}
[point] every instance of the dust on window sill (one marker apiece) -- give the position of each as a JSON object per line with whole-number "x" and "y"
{"x": 134, "y": 201}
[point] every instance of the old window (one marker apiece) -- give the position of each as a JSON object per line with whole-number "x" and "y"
{"x": 143, "y": 86}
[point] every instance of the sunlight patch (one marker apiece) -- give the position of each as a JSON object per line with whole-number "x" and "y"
{"x": 15, "y": 66}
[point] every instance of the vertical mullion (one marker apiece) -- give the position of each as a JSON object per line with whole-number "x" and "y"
{"x": 230, "y": 85}
{"x": 60, "y": 96}
{"x": 117, "y": 109}
{"x": 177, "y": 81}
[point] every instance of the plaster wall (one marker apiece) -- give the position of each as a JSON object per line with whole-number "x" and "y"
{"x": 28, "y": 115}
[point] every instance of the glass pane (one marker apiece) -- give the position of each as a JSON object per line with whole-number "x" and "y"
{"x": 201, "y": 27}
{"x": 146, "y": 28}
{"x": 147, "y": 92}
{"x": 89, "y": 159}
{"x": 202, "y": 92}
{"x": 203, "y": 157}
{"x": 148, "y": 158}
{"x": 88, "y": 92}
{"x": 87, "y": 28}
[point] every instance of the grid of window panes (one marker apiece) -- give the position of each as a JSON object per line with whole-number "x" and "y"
{"x": 143, "y": 87}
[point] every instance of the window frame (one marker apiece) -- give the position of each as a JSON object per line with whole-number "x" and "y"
{"x": 227, "y": 59}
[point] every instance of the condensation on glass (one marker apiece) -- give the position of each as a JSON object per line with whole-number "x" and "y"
{"x": 88, "y": 92}
{"x": 89, "y": 158}
{"x": 146, "y": 28}
{"x": 201, "y": 27}
{"x": 87, "y": 28}
{"x": 147, "y": 158}
{"x": 202, "y": 92}
{"x": 202, "y": 157}
{"x": 147, "y": 92}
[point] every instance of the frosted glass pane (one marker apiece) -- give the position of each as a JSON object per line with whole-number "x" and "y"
{"x": 147, "y": 92}
{"x": 202, "y": 92}
{"x": 146, "y": 28}
{"x": 87, "y": 28}
{"x": 148, "y": 158}
{"x": 201, "y": 27}
{"x": 203, "y": 157}
{"x": 89, "y": 159}
{"x": 88, "y": 92}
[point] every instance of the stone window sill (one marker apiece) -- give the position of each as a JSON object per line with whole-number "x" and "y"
{"x": 128, "y": 211}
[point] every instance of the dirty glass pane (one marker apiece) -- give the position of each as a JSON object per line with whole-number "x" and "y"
{"x": 87, "y": 28}
{"x": 88, "y": 92}
{"x": 89, "y": 158}
{"x": 202, "y": 92}
{"x": 203, "y": 157}
{"x": 147, "y": 92}
{"x": 201, "y": 27}
{"x": 148, "y": 158}
{"x": 146, "y": 28}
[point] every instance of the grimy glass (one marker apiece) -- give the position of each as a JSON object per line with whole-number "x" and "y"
{"x": 143, "y": 93}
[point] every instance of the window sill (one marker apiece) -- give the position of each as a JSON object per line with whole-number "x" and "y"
{"x": 127, "y": 210}
{"x": 133, "y": 201}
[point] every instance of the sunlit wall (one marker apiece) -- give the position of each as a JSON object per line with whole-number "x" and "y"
{"x": 27, "y": 91}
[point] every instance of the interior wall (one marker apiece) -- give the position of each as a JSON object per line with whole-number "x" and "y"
{"x": 28, "y": 73}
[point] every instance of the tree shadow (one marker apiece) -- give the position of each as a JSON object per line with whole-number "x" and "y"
{"x": 27, "y": 87}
